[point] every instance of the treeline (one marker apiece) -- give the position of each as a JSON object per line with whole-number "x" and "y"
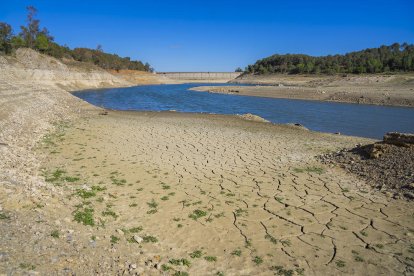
{"x": 32, "y": 36}
{"x": 394, "y": 58}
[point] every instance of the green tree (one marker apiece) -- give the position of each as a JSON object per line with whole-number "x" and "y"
{"x": 42, "y": 43}
{"x": 5, "y": 37}
{"x": 238, "y": 70}
{"x": 30, "y": 32}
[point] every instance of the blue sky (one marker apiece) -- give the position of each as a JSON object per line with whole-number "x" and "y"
{"x": 219, "y": 35}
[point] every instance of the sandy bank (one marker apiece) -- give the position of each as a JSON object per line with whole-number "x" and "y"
{"x": 395, "y": 90}
{"x": 371, "y": 95}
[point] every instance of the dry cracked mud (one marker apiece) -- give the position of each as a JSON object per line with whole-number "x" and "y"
{"x": 209, "y": 195}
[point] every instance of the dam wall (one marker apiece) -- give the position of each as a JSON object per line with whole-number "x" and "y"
{"x": 200, "y": 75}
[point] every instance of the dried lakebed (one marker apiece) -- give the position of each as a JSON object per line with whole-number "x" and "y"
{"x": 171, "y": 192}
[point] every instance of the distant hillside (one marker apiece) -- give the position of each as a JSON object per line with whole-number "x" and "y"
{"x": 393, "y": 58}
{"x": 31, "y": 36}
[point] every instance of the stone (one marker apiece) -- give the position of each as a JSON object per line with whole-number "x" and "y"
{"x": 399, "y": 139}
{"x": 138, "y": 239}
{"x": 119, "y": 231}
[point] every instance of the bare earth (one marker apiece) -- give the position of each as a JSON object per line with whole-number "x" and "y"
{"x": 397, "y": 90}
{"x": 159, "y": 193}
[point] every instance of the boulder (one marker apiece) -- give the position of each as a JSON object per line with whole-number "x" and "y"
{"x": 399, "y": 139}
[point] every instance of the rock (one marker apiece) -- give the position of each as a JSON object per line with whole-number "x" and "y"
{"x": 138, "y": 239}
{"x": 252, "y": 117}
{"x": 133, "y": 266}
{"x": 409, "y": 195}
{"x": 119, "y": 231}
{"x": 399, "y": 139}
{"x": 3, "y": 256}
{"x": 104, "y": 112}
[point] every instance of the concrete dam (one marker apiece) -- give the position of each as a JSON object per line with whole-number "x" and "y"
{"x": 200, "y": 75}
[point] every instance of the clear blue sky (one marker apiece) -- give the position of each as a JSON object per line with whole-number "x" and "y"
{"x": 219, "y": 35}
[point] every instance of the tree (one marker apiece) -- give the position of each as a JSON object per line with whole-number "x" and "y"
{"x": 42, "y": 43}
{"x": 30, "y": 32}
{"x": 6, "y": 35}
{"x": 238, "y": 70}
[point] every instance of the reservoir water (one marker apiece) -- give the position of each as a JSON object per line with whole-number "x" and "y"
{"x": 350, "y": 119}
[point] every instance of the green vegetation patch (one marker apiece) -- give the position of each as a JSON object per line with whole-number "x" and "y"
{"x": 85, "y": 216}
{"x": 196, "y": 254}
{"x": 150, "y": 239}
{"x": 197, "y": 214}
{"x": 280, "y": 270}
{"x": 257, "y": 260}
{"x": 55, "y": 234}
{"x": 316, "y": 170}
{"x": 183, "y": 262}
{"x": 236, "y": 252}
{"x": 210, "y": 258}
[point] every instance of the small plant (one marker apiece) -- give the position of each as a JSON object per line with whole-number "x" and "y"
{"x": 365, "y": 234}
{"x": 165, "y": 267}
{"x": 197, "y": 214}
{"x": 85, "y": 194}
{"x": 279, "y": 199}
{"x": 285, "y": 242}
{"x": 180, "y": 273}
{"x": 152, "y": 211}
{"x": 179, "y": 225}
{"x": 135, "y": 229}
{"x": 196, "y": 254}
{"x": 110, "y": 213}
{"x": 280, "y": 270}
{"x": 55, "y": 234}
{"x": 133, "y": 205}
{"x": 85, "y": 217}
{"x": 239, "y": 212}
{"x": 4, "y": 216}
{"x": 152, "y": 204}
{"x": 164, "y": 198}
{"x": 183, "y": 262}
{"x": 359, "y": 259}
{"x": 114, "y": 239}
{"x": 219, "y": 215}
{"x": 117, "y": 182}
{"x": 71, "y": 178}
{"x": 271, "y": 238}
{"x": 27, "y": 266}
{"x": 165, "y": 187}
{"x": 340, "y": 263}
{"x": 236, "y": 252}
{"x": 150, "y": 239}
{"x": 98, "y": 188}
{"x": 210, "y": 258}
{"x": 258, "y": 260}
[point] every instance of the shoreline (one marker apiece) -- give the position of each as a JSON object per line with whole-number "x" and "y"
{"x": 307, "y": 94}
